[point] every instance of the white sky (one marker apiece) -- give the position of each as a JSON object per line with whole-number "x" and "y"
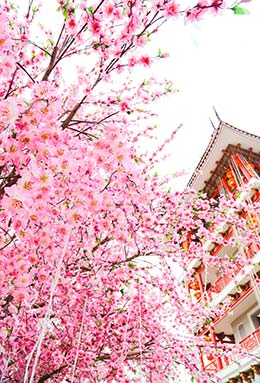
{"x": 213, "y": 62}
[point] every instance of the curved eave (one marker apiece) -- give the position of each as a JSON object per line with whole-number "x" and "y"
{"x": 224, "y": 135}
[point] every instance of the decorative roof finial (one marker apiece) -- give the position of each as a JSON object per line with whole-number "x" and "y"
{"x": 212, "y": 124}
{"x": 217, "y": 115}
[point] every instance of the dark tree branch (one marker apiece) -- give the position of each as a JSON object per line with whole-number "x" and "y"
{"x": 39, "y": 47}
{"x": 93, "y": 123}
{"x": 102, "y": 242}
{"x": 10, "y": 84}
{"x": 8, "y": 243}
{"x": 108, "y": 182}
{"x": 90, "y": 136}
{"x": 51, "y": 64}
{"x": 53, "y": 61}
{"x": 28, "y": 74}
{"x": 51, "y": 374}
{"x": 66, "y": 122}
{"x": 29, "y": 8}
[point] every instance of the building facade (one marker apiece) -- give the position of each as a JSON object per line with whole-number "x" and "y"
{"x": 231, "y": 166}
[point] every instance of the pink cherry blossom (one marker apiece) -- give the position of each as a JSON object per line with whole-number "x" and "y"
{"x": 90, "y": 237}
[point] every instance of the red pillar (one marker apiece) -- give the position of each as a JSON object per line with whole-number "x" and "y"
{"x": 201, "y": 358}
{"x": 214, "y": 339}
{"x": 201, "y": 285}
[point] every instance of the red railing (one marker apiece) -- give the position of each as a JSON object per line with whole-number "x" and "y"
{"x": 251, "y": 250}
{"x": 248, "y": 343}
{"x": 211, "y": 367}
{"x": 224, "y": 280}
{"x": 251, "y": 341}
{"x": 219, "y": 285}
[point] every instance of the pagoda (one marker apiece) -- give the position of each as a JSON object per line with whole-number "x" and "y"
{"x": 230, "y": 165}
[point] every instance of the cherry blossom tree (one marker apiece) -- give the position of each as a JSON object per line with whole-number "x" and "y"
{"x": 90, "y": 236}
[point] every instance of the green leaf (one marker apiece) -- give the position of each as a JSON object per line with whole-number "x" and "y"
{"x": 65, "y": 14}
{"x": 168, "y": 87}
{"x": 239, "y": 10}
{"x": 91, "y": 10}
{"x": 34, "y": 8}
{"x": 168, "y": 236}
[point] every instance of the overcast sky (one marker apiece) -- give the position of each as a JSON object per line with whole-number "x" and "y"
{"x": 214, "y": 62}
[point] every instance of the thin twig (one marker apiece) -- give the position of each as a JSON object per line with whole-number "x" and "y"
{"x": 39, "y": 47}
{"x": 29, "y": 8}
{"x": 109, "y": 181}
{"x": 80, "y": 132}
{"x": 7, "y": 244}
{"x": 28, "y": 74}
{"x": 10, "y": 84}
{"x": 51, "y": 374}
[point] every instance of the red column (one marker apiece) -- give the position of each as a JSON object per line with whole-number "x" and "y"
{"x": 201, "y": 357}
{"x": 245, "y": 167}
{"x": 214, "y": 339}
{"x": 201, "y": 285}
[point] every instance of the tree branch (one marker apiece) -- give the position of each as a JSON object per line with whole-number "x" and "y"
{"x": 108, "y": 182}
{"x": 51, "y": 374}
{"x": 28, "y": 74}
{"x": 10, "y": 84}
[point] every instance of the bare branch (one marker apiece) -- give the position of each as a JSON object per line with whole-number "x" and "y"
{"x": 39, "y": 47}
{"x": 108, "y": 182}
{"x": 29, "y": 7}
{"x": 10, "y": 84}
{"x": 51, "y": 64}
{"x": 8, "y": 243}
{"x": 51, "y": 374}
{"x": 28, "y": 74}
{"x": 81, "y": 132}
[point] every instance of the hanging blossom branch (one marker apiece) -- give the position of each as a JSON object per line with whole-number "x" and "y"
{"x": 38, "y": 344}
{"x": 69, "y": 159}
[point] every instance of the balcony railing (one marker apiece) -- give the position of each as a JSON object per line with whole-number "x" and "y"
{"x": 224, "y": 280}
{"x": 219, "y": 285}
{"x": 249, "y": 343}
{"x": 212, "y": 367}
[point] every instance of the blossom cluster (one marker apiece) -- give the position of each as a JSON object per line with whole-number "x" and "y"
{"x": 89, "y": 238}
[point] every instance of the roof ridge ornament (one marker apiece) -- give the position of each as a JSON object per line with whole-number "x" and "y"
{"x": 217, "y": 115}
{"x": 212, "y": 124}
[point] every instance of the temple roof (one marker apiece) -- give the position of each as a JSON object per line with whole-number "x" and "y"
{"x": 224, "y": 142}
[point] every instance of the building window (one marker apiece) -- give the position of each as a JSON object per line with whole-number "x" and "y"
{"x": 241, "y": 330}
{"x": 256, "y": 318}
